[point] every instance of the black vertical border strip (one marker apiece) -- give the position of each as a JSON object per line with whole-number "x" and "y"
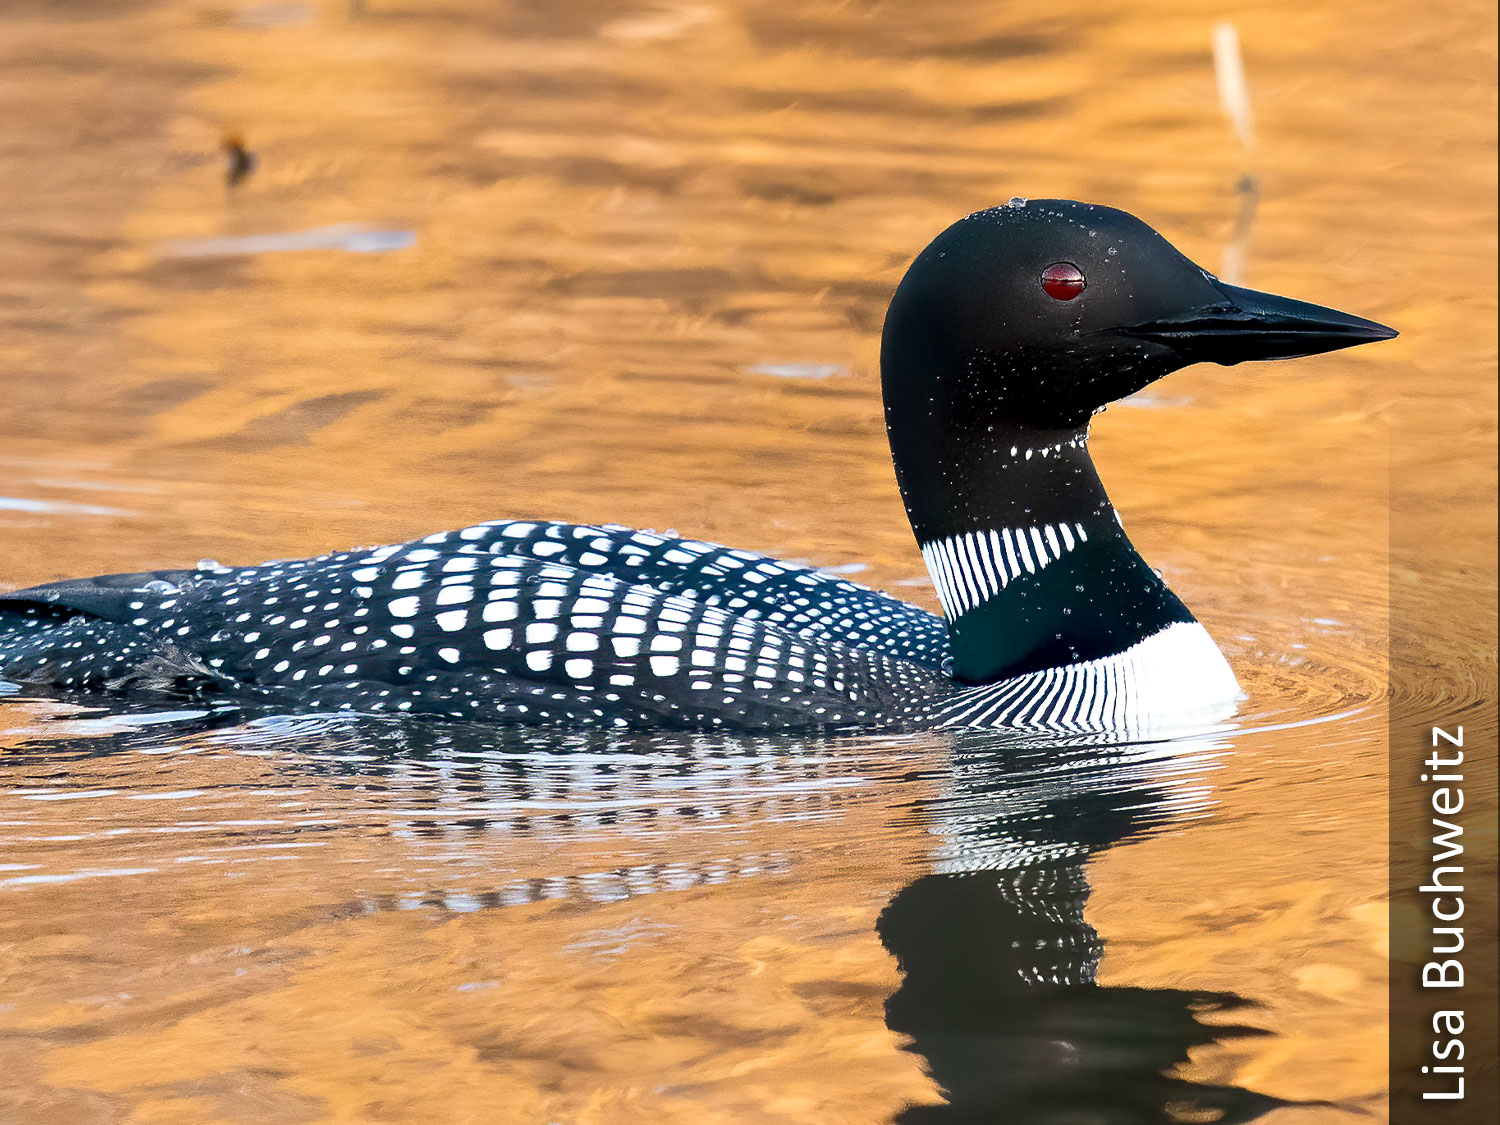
{"x": 1443, "y": 677}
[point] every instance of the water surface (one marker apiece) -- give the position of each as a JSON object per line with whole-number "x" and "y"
{"x": 628, "y": 262}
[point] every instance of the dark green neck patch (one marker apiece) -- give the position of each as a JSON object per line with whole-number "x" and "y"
{"x": 1096, "y": 600}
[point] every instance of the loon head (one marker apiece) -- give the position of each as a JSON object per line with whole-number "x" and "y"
{"x": 1038, "y": 313}
{"x": 1006, "y": 335}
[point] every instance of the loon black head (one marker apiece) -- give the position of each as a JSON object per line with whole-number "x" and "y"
{"x": 1006, "y": 335}
{"x": 1038, "y": 313}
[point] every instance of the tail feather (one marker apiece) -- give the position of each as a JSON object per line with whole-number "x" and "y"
{"x": 108, "y": 597}
{"x": 77, "y": 634}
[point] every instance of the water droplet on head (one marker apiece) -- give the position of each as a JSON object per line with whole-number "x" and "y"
{"x": 1016, "y": 201}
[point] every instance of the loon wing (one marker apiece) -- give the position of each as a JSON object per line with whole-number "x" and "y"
{"x": 806, "y": 602}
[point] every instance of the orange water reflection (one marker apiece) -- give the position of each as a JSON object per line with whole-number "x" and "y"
{"x": 652, "y": 245}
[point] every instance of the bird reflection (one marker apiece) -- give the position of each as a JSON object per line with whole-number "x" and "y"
{"x": 998, "y": 993}
{"x": 998, "y": 964}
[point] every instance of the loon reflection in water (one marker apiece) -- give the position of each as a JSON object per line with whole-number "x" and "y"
{"x": 998, "y": 963}
{"x": 998, "y": 990}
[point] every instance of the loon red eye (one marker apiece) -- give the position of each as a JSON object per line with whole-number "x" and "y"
{"x": 1062, "y": 281}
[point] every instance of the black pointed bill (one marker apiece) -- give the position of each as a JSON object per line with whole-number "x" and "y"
{"x": 1247, "y": 324}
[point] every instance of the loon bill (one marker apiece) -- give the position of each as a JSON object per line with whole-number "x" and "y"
{"x": 1007, "y": 334}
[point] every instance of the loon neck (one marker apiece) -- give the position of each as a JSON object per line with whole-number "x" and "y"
{"x": 978, "y": 480}
{"x": 1028, "y": 556}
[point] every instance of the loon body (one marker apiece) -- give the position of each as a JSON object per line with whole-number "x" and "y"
{"x": 1007, "y": 334}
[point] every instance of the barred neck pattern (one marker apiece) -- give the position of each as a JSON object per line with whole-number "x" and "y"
{"x": 971, "y": 568}
{"x": 1175, "y": 676}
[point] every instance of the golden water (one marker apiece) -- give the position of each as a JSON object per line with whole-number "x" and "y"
{"x": 650, "y": 249}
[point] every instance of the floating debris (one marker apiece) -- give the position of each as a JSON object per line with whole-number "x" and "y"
{"x": 58, "y": 507}
{"x": 355, "y": 238}
{"x": 798, "y": 370}
{"x": 476, "y": 986}
{"x": 1234, "y": 92}
{"x": 241, "y": 160}
{"x": 1234, "y": 97}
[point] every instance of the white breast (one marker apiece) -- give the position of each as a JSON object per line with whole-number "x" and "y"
{"x": 1172, "y": 678}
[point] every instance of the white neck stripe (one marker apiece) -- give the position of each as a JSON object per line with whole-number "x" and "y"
{"x": 970, "y": 569}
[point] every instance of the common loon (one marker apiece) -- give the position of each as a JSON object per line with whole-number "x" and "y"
{"x": 1007, "y": 334}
